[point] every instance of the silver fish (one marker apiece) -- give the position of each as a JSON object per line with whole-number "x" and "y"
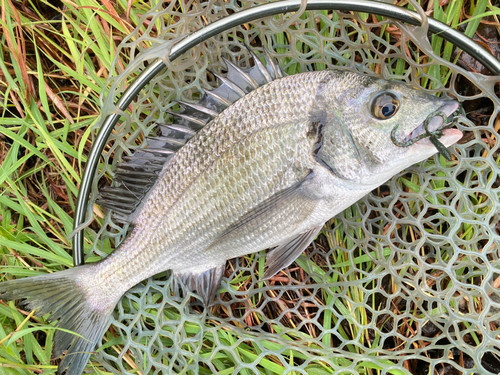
{"x": 248, "y": 168}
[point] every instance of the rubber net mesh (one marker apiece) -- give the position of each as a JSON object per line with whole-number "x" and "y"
{"x": 403, "y": 282}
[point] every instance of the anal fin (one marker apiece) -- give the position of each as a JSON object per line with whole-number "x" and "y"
{"x": 205, "y": 282}
{"x": 284, "y": 255}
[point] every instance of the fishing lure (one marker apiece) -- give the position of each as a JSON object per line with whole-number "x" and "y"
{"x": 434, "y": 135}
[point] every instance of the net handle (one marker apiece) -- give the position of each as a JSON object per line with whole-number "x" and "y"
{"x": 365, "y": 6}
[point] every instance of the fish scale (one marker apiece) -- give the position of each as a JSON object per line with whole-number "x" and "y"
{"x": 268, "y": 171}
{"x": 181, "y": 224}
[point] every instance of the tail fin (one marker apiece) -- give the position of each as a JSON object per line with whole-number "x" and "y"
{"x": 59, "y": 295}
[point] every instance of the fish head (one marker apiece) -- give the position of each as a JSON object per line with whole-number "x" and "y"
{"x": 374, "y": 128}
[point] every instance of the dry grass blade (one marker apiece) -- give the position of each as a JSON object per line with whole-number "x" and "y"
{"x": 17, "y": 45}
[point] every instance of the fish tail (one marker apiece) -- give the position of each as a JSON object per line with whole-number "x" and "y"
{"x": 61, "y": 295}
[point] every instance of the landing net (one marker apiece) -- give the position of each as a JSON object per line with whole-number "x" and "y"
{"x": 403, "y": 282}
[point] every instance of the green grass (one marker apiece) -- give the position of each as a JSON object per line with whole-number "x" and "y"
{"x": 51, "y": 81}
{"x": 52, "y": 71}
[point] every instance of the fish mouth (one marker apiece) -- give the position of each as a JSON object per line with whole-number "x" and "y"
{"x": 436, "y": 122}
{"x": 433, "y": 127}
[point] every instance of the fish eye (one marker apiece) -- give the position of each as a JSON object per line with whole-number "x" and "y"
{"x": 384, "y": 106}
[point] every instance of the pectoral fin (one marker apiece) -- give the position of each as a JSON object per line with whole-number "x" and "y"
{"x": 284, "y": 255}
{"x": 292, "y": 202}
{"x": 205, "y": 283}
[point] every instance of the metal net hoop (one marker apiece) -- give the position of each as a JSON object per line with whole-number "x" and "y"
{"x": 403, "y": 282}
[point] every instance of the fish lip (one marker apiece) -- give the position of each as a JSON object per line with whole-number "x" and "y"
{"x": 436, "y": 123}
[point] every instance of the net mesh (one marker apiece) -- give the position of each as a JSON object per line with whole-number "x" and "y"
{"x": 403, "y": 282}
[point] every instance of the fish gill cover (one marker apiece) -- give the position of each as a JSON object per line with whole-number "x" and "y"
{"x": 404, "y": 281}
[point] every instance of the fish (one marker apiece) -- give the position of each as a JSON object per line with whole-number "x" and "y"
{"x": 261, "y": 162}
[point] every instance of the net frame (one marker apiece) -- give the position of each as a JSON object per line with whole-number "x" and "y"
{"x": 384, "y": 238}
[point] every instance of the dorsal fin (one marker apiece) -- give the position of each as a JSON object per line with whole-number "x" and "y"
{"x": 137, "y": 174}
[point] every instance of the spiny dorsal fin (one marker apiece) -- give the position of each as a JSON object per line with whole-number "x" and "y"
{"x": 258, "y": 72}
{"x": 228, "y": 89}
{"x": 137, "y": 174}
{"x": 273, "y": 68}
